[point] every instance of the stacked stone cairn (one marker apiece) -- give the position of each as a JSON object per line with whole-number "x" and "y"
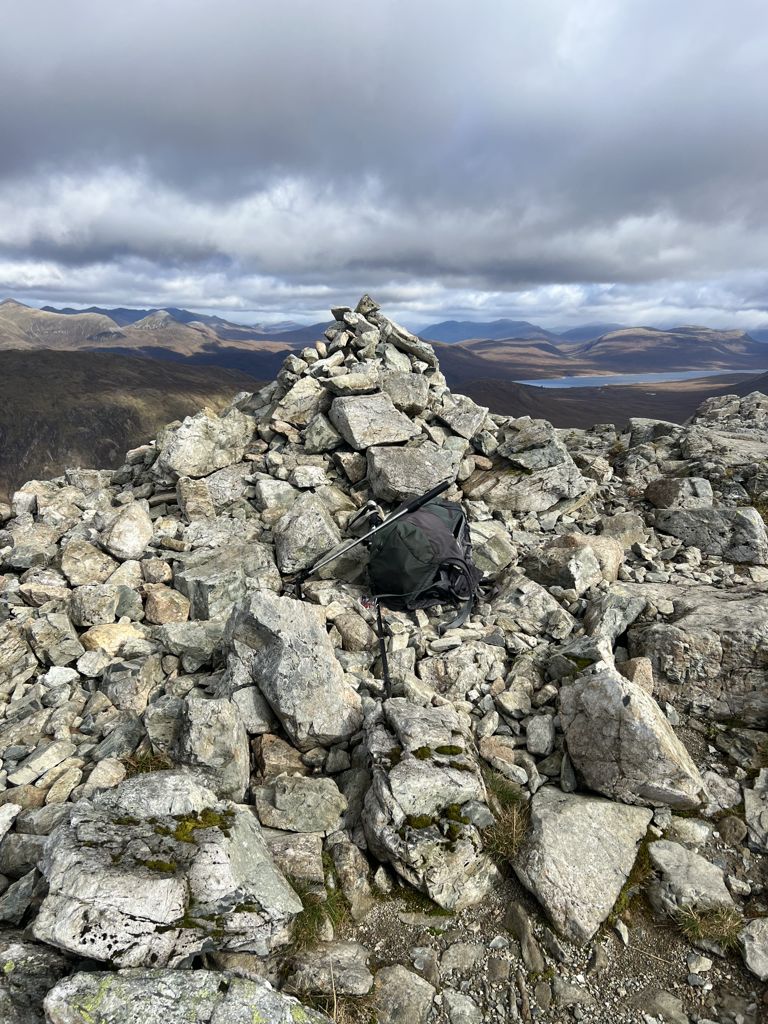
{"x": 191, "y": 753}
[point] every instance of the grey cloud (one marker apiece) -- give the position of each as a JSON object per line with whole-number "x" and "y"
{"x": 470, "y": 151}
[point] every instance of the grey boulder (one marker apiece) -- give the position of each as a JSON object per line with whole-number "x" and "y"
{"x": 622, "y": 744}
{"x": 370, "y": 419}
{"x": 174, "y": 997}
{"x": 577, "y": 857}
{"x": 204, "y": 443}
{"x": 144, "y": 875}
{"x": 291, "y": 659}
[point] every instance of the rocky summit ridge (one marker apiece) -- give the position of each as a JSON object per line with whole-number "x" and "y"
{"x": 209, "y": 808}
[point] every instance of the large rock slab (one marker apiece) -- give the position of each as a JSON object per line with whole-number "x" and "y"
{"x": 293, "y": 662}
{"x": 735, "y": 534}
{"x": 145, "y": 874}
{"x": 710, "y": 651}
{"x": 371, "y": 419}
{"x": 173, "y": 997}
{"x": 577, "y": 857}
{"x": 204, "y": 443}
{"x": 622, "y": 744}
{"x": 396, "y": 474}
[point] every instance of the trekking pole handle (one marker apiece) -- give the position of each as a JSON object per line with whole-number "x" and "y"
{"x": 422, "y": 499}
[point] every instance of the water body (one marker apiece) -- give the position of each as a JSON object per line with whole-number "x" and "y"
{"x": 612, "y": 379}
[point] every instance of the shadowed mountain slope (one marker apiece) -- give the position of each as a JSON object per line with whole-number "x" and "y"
{"x": 64, "y": 408}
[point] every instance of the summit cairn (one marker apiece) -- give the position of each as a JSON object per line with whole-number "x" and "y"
{"x": 202, "y": 772}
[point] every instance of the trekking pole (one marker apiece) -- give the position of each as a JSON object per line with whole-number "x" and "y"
{"x": 383, "y": 650}
{"x": 401, "y": 510}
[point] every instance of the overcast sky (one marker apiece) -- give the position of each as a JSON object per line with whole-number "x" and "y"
{"x": 561, "y": 161}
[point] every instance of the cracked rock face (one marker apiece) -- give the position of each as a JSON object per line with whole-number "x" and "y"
{"x": 292, "y": 661}
{"x": 415, "y": 814}
{"x": 155, "y": 871}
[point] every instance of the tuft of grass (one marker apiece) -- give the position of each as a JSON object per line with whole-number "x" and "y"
{"x": 504, "y": 839}
{"x": 149, "y": 761}
{"x": 343, "y": 1009}
{"x": 308, "y": 925}
{"x": 631, "y": 894}
{"x": 717, "y": 924}
{"x": 502, "y": 792}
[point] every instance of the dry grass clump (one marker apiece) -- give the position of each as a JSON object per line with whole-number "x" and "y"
{"x": 716, "y": 924}
{"x": 504, "y": 839}
{"x": 344, "y": 1009}
{"x": 148, "y": 761}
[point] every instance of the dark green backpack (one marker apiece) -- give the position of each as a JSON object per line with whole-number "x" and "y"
{"x": 424, "y": 559}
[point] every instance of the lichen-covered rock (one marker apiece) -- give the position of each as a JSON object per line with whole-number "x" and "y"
{"x": 28, "y": 971}
{"x": 577, "y": 857}
{"x": 398, "y": 473}
{"x": 413, "y": 815}
{"x": 204, "y": 443}
{"x": 129, "y": 533}
{"x": 623, "y": 746}
{"x": 370, "y": 419}
{"x": 292, "y": 661}
{"x": 174, "y": 997}
{"x": 145, "y": 874}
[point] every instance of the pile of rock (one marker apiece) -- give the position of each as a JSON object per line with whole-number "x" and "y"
{"x": 190, "y": 749}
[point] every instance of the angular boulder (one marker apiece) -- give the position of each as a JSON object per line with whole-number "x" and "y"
{"x": 292, "y": 660}
{"x": 129, "y": 533}
{"x": 577, "y": 857}
{"x": 398, "y": 473}
{"x": 371, "y": 419}
{"x": 622, "y": 744}
{"x": 204, "y": 443}
{"x": 686, "y": 879}
{"x": 174, "y": 997}
{"x": 412, "y": 814}
{"x": 143, "y": 875}
{"x": 710, "y": 650}
{"x": 303, "y": 534}
{"x": 735, "y": 534}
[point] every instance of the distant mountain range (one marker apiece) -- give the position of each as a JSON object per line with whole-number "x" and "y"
{"x": 504, "y": 349}
{"x": 69, "y": 394}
